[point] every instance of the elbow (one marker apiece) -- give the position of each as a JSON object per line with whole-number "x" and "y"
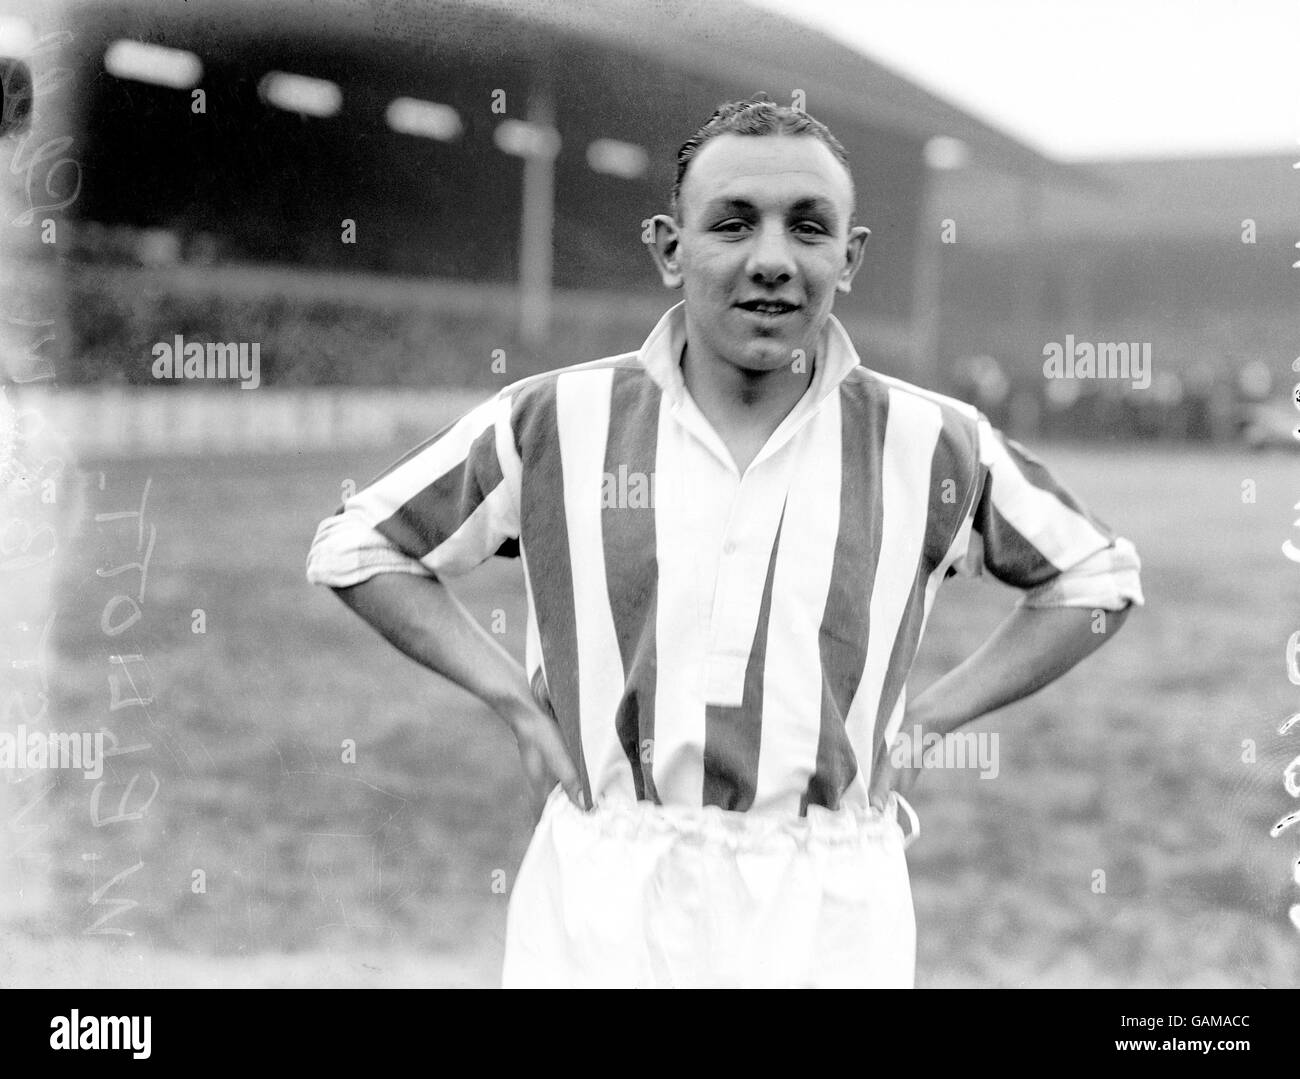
{"x": 1108, "y": 622}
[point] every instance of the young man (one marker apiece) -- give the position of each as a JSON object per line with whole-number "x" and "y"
{"x": 731, "y": 539}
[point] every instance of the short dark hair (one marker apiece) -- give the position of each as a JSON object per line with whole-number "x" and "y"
{"x": 756, "y": 116}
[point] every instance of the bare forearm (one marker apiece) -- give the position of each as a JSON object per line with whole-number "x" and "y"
{"x": 1029, "y": 649}
{"x": 420, "y": 617}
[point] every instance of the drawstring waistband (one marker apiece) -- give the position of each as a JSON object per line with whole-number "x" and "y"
{"x": 747, "y": 830}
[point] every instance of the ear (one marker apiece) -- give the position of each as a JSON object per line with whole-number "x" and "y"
{"x": 665, "y": 248}
{"x": 853, "y": 253}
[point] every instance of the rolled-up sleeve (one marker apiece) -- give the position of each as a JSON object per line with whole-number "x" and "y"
{"x": 444, "y": 508}
{"x": 1030, "y": 532}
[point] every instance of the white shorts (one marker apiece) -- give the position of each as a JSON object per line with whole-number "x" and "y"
{"x": 646, "y": 896}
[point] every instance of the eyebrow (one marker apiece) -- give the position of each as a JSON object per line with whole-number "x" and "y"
{"x": 813, "y": 205}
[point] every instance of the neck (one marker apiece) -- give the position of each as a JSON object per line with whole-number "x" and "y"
{"x": 729, "y": 395}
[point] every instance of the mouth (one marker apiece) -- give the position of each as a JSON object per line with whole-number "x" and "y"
{"x": 768, "y": 308}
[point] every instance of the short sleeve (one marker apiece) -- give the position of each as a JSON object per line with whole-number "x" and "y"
{"x": 444, "y": 508}
{"x": 1030, "y": 532}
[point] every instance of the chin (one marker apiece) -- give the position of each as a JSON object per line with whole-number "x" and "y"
{"x": 768, "y": 356}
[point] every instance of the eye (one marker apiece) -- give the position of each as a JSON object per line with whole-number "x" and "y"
{"x": 731, "y": 225}
{"x": 811, "y": 228}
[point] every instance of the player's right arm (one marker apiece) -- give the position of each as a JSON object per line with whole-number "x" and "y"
{"x": 446, "y": 507}
{"x": 421, "y": 618}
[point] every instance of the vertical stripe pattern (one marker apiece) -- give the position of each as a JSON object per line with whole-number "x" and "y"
{"x": 911, "y": 432}
{"x": 846, "y": 623}
{"x": 582, "y": 421}
{"x": 704, "y": 636}
{"x": 631, "y": 565}
{"x": 733, "y": 733}
{"x": 544, "y": 525}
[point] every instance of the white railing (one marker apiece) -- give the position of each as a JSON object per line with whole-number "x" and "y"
{"x": 116, "y": 422}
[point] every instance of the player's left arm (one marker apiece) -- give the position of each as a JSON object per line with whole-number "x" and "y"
{"x": 1080, "y": 582}
{"x": 1032, "y": 647}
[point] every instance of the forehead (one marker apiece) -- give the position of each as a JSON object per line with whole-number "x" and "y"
{"x": 767, "y": 169}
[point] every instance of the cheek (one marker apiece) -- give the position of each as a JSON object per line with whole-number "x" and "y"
{"x": 823, "y": 271}
{"x": 713, "y": 264}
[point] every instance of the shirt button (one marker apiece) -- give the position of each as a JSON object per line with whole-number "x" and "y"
{"x": 729, "y": 548}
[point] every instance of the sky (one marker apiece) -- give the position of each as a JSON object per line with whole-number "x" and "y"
{"x": 1093, "y": 79}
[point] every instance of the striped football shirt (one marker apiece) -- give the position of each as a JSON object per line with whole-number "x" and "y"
{"x": 706, "y": 637}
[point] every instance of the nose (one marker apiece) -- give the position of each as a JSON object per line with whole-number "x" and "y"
{"x": 771, "y": 261}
